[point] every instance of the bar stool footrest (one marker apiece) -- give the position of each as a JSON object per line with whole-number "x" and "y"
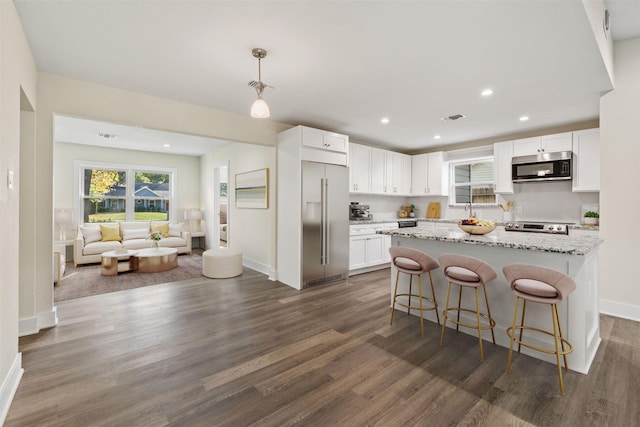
{"x": 434, "y": 305}
{"x": 491, "y": 325}
{"x": 533, "y": 347}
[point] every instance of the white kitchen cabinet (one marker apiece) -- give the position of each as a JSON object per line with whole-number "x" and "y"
{"x": 396, "y": 163}
{"x": 368, "y": 249}
{"x": 387, "y": 172}
{"x": 502, "y": 154}
{"x": 360, "y": 168}
{"x": 428, "y": 175}
{"x": 374, "y": 250}
{"x": 586, "y": 160}
{"x": 357, "y": 252}
{"x": 406, "y": 174}
{"x": 378, "y": 171}
{"x": 324, "y": 140}
{"x": 543, "y": 144}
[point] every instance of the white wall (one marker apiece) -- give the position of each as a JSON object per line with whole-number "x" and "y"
{"x": 187, "y": 188}
{"x": 620, "y": 176}
{"x": 252, "y": 231}
{"x": 18, "y": 82}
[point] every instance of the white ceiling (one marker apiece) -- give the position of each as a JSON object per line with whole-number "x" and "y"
{"x": 341, "y": 65}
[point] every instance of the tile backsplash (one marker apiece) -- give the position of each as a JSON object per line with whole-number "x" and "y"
{"x": 543, "y": 201}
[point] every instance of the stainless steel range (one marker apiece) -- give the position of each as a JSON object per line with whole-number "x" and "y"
{"x": 537, "y": 227}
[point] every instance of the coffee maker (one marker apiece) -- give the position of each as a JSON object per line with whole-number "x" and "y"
{"x": 358, "y": 212}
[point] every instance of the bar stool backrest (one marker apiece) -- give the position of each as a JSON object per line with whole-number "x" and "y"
{"x": 478, "y": 266}
{"x": 563, "y": 284}
{"x": 423, "y": 262}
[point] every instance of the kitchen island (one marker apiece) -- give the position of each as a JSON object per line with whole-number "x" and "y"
{"x": 574, "y": 254}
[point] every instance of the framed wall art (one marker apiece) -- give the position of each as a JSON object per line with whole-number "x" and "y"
{"x": 252, "y": 189}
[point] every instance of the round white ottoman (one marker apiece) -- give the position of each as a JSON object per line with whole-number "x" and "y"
{"x": 221, "y": 263}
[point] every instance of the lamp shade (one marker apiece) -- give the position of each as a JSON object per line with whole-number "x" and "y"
{"x": 260, "y": 109}
{"x": 193, "y": 215}
{"x": 63, "y": 216}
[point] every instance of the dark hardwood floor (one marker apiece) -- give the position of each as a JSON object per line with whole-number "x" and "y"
{"x": 249, "y": 351}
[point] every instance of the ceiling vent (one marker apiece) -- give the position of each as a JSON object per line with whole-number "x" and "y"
{"x": 453, "y": 117}
{"x": 107, "y": 135}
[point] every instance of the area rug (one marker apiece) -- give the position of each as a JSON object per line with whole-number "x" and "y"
{"x": 86, "y": 280}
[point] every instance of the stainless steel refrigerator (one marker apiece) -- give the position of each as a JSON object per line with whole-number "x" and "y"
{"x": 325, "y": 222}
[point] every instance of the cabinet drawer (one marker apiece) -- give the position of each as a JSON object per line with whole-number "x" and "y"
{"x": 360, "y": 230}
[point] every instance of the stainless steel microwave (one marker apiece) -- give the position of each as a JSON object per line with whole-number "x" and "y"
{"x": 542, "y": 167}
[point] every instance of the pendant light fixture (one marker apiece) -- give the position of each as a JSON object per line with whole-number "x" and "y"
{"x": 259, "y": 109}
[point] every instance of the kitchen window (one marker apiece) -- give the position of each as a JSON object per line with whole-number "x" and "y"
{"x": 112, "y": 193}
{"x": 472, "y": 182}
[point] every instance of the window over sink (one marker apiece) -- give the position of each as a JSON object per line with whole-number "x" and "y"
{"x": 472, "y": 182}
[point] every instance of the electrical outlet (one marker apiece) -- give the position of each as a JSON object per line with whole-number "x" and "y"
{"x": 518, "y": 209}
{"x": 10, "y": 179}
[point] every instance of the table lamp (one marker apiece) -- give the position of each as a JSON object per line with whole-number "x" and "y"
{"x": 194, "y": 216}
{"x": 62, "y": 218}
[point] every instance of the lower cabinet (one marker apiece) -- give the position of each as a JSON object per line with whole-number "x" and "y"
{"x": 366, "y": 248}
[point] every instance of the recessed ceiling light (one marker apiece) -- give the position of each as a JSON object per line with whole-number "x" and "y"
{"x": 436, "y": 136}
{"x": 167, "y": 145}
{"x": 487, "y": 92}
{"x": 384, "y": 120}
{"x": 524, "y": 118}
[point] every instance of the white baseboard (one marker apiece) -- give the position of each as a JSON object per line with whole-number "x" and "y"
{"x": 10, "y": 386}
{"x": 33, "y": 325}
{"x": 259, "y": 267}
{"x": 368, "y": 269}
{"x": 618, "y": 309}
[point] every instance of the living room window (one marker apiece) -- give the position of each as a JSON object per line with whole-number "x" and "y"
{"x": 472, "y": 182}
{"x": 112, "y": 193}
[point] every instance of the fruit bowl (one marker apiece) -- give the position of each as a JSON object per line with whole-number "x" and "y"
{"x": 477, "y": 229}
{"x": 475, "y": 226}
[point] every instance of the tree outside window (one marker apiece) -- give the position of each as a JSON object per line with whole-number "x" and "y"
{"x": 104, "y": 195}
{"x": 108, "y": 196}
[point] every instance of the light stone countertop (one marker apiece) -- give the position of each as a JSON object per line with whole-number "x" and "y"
{"x": 452, "y": 221}
{"x": 578, "y": 244}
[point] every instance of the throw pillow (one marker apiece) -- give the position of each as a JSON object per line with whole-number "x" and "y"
{"x": 110, "y": 233}
{"x": 91, "y": 234}
{"x": 175, "y": 230}
{"x": 161, "y": 228}
{"x": 140, "y": 233}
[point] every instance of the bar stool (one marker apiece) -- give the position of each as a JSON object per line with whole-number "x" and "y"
{"x": 414, "y": 263}
{"x": 546, "y": 286}
{"x": 467, "y": 272}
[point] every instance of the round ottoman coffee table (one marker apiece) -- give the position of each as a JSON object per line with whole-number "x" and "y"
{"x": 221, "y": 263}
{"x": 155, "y": 260}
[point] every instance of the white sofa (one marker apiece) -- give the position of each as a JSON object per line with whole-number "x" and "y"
{"x": 94, "y": 239}
{"x": 59, "y": 262}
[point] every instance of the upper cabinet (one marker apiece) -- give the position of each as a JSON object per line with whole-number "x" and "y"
{"x": 316, "y": 145}
{"x": 396, "y": 174}
{"x": 428, "y": 175}
{"x": 586, "y": 165}
{"x": 360, "y": 168}
{"x": 324, "y": 140}
{"x": 543, "y": 144}
{"x": 377, "y": 171}
{"x": 502, "y": 154}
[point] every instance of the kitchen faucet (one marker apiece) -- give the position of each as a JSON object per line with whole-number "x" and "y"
{"x": 471, "y": 215}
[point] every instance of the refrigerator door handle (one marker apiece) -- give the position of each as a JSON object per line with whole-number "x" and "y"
{"x": 324, "y": 221}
